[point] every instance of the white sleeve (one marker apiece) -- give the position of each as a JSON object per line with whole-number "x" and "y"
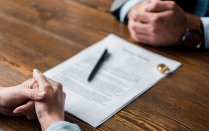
{"x": 63, "y": 126}
{"x": 127, "y": 7}
{"x": 205, "y": 21}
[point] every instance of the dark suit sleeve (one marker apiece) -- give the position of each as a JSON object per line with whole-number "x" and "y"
{"x": 116, "y": 6}
{"x": 187, "y": 5}
{"x": 116, "y": 13}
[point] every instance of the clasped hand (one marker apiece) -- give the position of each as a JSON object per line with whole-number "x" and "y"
{"x": 157, "y": 23}
{"x": 38, "y": 98}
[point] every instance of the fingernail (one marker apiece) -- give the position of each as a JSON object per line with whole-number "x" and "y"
{"x": 41, "y": 94}
{"x": 17, "y": 111}
{"x": 35, "y": 72}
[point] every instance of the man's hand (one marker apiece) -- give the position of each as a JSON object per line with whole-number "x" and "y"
{"x": 157, "y": 23}
{"x": 12, "y": 97}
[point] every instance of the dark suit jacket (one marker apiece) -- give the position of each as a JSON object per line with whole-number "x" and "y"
{"x": 187, "y": 5}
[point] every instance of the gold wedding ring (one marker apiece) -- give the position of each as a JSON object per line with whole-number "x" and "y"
{"x": 162, "y": 68}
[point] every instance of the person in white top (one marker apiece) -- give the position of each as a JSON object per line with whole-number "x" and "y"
{"x": 46, "y": 103}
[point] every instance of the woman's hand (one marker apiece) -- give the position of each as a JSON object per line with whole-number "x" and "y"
{"x": 12, "y": 97}
{"x": 50, "y": 109}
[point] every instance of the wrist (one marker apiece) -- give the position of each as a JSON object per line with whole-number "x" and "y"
{"x": 47, "y": 120}
{"x": 193, "y": 37}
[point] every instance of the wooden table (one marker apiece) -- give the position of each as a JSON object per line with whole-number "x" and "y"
{"x": 43, "y": 33}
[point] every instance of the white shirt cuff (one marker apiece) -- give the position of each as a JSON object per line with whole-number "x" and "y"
{"x": 63, "y": 126}
{"x": 127, "y": 7}
{"x": 205, "y": 21}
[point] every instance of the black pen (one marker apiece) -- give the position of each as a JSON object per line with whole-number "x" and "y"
{"x": 98, "y": 65}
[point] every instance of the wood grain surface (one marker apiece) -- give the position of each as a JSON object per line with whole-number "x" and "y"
{"x": 43, "y": 33}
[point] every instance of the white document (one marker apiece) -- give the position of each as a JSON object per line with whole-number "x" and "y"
{"x": 128, "y": 72}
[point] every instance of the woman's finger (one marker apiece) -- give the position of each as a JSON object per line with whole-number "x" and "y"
{"x": 29, "y": 106}
{"x": 43, "y": 83}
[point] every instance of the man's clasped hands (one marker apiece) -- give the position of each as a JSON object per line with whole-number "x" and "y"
{"x": 38, "y": 98}
{"x": 157, "y": 23}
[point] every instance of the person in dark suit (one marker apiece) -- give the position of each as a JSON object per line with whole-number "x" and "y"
{"x": 165, "y": 23}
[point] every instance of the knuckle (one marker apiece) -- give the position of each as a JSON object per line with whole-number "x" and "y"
{"x": 153, "y": 30}
{"x": 134, "y": 13}
{"x": 46, "y": 85}
{"x": 172, "y": 5}
{"x": 134, "y": 37}
{"x": 130, "y": 24}
{"x": 59, "y": 85}
{"x": 133, "y": 29}
{"x": 141, "y": 41}
{"x": 158, "y": 20}
{"x": 154, "y": 5}
{"x": 130, "y": 27}
{"x": 155, "y": 19}
{"x": 137, "y": 39}
{"x": 31, "y": 94}
{"x": 173, "y": 13}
